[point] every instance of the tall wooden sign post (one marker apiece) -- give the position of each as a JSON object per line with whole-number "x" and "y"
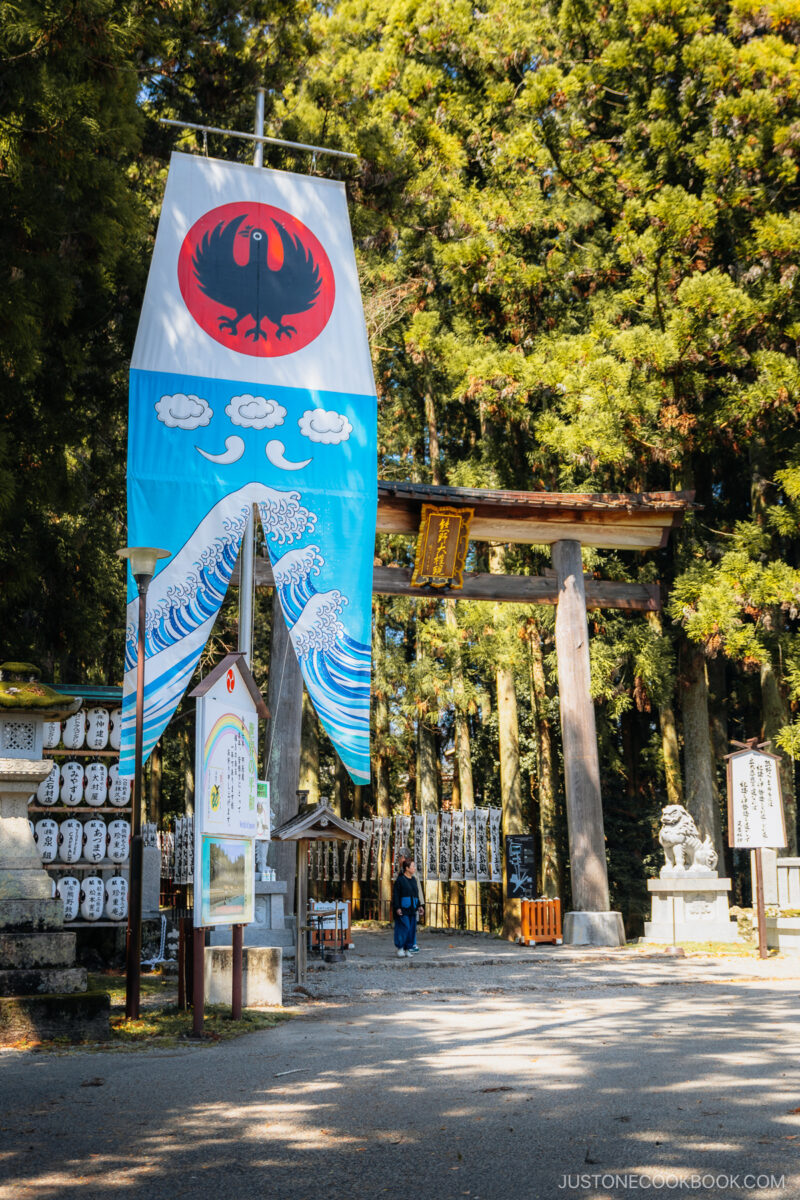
{"x": 755, "y": 814}
{"x": 567, "y": 522}
{"x": 229, "y": 705}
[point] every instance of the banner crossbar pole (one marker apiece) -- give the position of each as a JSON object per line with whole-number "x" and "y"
{"x": 255, "y": 137}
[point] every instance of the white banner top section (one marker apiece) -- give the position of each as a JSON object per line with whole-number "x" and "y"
{"x": 170, "y": 338}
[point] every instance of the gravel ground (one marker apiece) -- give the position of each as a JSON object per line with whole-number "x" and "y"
{"x": 482, "y": 965}
{"x": 477, "y": 1069}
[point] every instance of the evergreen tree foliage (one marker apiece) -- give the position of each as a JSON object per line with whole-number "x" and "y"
{"x": 577, "y": 234}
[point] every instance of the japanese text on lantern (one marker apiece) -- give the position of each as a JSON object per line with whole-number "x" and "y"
{"x": 755, "y": 806}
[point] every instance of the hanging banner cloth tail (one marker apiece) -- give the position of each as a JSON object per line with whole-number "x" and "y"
{"x": 251, "y": 383}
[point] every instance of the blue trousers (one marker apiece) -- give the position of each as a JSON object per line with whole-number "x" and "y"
{"x": 405, "y": 931}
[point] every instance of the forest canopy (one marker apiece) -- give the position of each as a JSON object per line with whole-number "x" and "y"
{"x": 578, "y": 234}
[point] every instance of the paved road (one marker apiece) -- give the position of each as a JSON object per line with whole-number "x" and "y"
{"x": 496, "y": 1081}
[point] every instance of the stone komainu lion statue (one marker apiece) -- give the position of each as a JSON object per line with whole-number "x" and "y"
{"x": 682, "y": 844}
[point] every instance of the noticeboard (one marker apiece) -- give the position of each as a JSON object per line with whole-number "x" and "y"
{"x": 755, "y": 805}
{"x": 520, "y": 866}
{"x": 226, "y": 814}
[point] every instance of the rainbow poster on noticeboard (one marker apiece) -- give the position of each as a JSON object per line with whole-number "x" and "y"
{"x": 228, "y": 784}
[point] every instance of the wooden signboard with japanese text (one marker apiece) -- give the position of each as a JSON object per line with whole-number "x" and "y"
{"x": 441, "y": 547}
{"x": 755, "y": 805}
{"x": 520, "y": 866}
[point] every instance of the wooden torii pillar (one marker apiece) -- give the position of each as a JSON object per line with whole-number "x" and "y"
{"x": 565, "y": 521}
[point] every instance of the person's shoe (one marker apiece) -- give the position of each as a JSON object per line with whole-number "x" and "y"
{"x": 401, "y": 953}
{"x": 413, "y": 950}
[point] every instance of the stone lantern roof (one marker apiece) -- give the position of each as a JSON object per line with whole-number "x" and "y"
{"x": 23, "y": 695}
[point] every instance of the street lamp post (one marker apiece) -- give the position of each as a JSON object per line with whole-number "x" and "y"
{"x": 143, "y": 561}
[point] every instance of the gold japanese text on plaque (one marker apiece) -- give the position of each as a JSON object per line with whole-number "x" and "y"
{"x": 441, "y": 547}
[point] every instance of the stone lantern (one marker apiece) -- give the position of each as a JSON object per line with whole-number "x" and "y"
{"x": 42, "y": 992}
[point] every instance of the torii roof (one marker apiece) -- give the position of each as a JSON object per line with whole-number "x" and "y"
{"x": 317, "y": 822}
{"x": 636, "y": 521}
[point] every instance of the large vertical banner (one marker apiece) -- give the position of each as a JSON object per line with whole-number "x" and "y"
{"x": 251, "y": 383}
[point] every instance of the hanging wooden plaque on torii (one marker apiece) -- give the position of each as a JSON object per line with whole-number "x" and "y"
{"x": 441, "y": 547}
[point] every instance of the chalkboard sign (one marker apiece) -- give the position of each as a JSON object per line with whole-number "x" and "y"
{"x": 520, "y": 867}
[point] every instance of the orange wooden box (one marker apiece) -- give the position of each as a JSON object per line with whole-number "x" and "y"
{"x": 541, "y": 922}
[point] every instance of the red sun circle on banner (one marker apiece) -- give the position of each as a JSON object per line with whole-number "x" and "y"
{"x": 256, "y": 279}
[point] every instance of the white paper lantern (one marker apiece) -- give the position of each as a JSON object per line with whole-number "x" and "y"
{"x": 93, "y": 898}
{"x": 69, "y": 890}
{"x": 119, "y": 788}
{"x": 45, "y": 835}
{"x": 75, "y": 730}
{"x": 96, "y": 790}
{"x": 95, "y": 837}
{"x": 116, "y": 898}
{"x": 119, "y": 836}
{"x": 71, "y": 783}
{"x": 70, "y": 840}
{"x": 116, "y": 728}
{"x": 53, "y": 892}
{"x": 47, "y": 791}
{"x": 52, "y": 734}
{"x": 97, "y": 724}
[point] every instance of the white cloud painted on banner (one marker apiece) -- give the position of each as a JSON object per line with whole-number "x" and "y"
{"x": 183, "y": 412}
{"x": 255, "y": 412}
{"x": 329, "y": 427}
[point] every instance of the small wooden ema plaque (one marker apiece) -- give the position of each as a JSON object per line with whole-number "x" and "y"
{"x": 441, "y": 547}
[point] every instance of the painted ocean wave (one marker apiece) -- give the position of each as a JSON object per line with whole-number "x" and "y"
{"x": 191, "y": 587}
{"x": 184, "y": 599}
{"x": 183, "y": 603}
{"x": 336, "y": 669}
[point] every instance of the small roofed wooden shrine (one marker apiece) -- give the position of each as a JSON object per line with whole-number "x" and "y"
{"x": 313, "y": 823}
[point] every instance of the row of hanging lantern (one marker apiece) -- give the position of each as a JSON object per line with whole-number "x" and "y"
{"x": 90, "y": 841}
{"x": 94, "y": 728}
{"x": 93, "y": 898}
{"x": 94, "y": 782}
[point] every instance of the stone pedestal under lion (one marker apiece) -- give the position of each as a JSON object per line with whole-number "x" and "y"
{"x": 689, "y": 900}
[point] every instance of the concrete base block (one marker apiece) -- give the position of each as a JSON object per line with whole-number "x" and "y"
{"x": 690, "y": 908}
{"x": 31, "y": 981}
{"x": 783, "y": 933}
{"x": 47, "y": 949}
{"x": 80, "y": 1018}
{"x": 20, "y": 915}
{"x": 262, "y": 970}
{"x": 594, "y": 929}
{"x": 685, "y": 931}
{"x": 257, "y": 936}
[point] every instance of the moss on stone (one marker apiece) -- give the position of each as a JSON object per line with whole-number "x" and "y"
{"x": 27, "y": 672}
{"x": 20, "y": 689}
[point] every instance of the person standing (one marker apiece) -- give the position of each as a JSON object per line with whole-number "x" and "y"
{"x": 406, "y": 908}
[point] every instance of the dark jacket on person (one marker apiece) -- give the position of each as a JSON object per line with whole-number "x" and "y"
{"x": 405, "y": 894}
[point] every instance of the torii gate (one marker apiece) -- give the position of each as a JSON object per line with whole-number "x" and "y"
{"x": 565, "y": 521}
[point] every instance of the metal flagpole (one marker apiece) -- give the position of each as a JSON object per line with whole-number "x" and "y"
{"x": 246, "y": 593}
{"x": 247, "y": 568}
